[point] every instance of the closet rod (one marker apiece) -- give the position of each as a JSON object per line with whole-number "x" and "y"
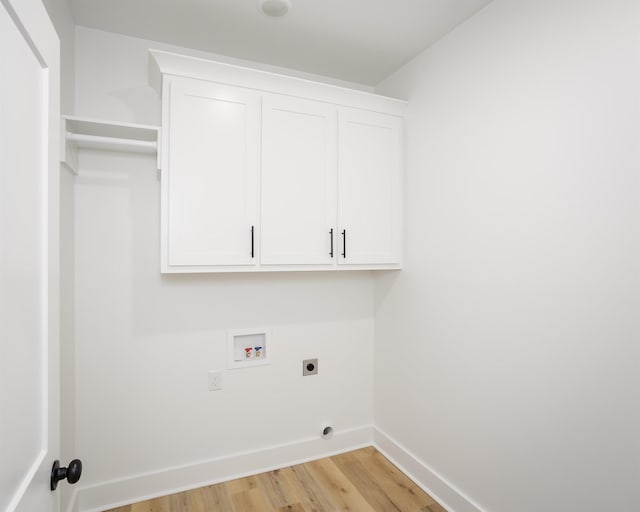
{"x": 139, "y": 145}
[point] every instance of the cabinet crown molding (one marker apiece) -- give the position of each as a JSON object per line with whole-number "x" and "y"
{"x": 168, "y": 63}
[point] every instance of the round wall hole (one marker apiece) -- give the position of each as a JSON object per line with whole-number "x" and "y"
{"x": 327, "y": 432}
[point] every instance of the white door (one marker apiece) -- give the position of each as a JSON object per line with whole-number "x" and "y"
{"x": 209, "y": 185}
{"x": 29, "y": 181}
{"x": 369, "y": 187}
{"x": 298, "y": 181}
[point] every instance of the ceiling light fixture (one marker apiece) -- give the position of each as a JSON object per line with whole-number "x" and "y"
{"x": 274, "y": 8}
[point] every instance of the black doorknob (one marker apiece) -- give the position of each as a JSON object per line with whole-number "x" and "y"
{"x": 71, "y": 473}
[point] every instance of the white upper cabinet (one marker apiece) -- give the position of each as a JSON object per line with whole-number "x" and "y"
{"x": 209, "y": 189}
{"x": 263, "y": 172}
{"x": 298, "y": 187}
{"x": 369, "y": 187}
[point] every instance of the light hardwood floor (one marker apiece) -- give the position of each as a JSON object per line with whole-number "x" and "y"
{"x": 359, "y": 481}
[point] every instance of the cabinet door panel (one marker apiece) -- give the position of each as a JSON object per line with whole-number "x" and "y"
{"x": 211, "y": 184}
{"x": 369, "y": 187}
{"x": 298, "y": 181}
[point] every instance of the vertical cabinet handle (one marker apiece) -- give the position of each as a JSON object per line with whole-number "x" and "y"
{"x": 344, "y": 243}
{"x": 252, "y": 246}
{"x": 331, "y": 238}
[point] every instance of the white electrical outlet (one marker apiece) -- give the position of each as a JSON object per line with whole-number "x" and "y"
{"x": 215, "y": 381}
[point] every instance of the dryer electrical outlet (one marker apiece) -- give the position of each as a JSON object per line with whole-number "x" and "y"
{"x": 310, "y": 367}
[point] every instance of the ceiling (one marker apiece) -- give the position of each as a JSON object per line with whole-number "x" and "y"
{"x": 355, "y": 40}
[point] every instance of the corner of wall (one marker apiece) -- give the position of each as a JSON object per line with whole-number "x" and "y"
{"x": 422, "y": 475}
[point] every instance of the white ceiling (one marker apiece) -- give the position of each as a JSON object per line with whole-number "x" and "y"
{"x": 355, "y": 40}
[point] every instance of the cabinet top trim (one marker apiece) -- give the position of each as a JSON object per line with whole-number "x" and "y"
{"x": 167, "y": 63}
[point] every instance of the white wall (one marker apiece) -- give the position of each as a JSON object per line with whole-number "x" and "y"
{"x": 145, "y": 341}
{"x": 506, "y": 354}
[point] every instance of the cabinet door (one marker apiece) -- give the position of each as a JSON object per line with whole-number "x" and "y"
{"x": 298, "y": 181}
{"x": 369, "y": 187}
{"x": 209, "y": 191}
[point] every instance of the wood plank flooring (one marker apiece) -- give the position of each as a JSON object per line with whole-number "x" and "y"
{"x": 359, "y": 481}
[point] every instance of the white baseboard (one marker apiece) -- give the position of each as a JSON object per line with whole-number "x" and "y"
{"x": 140, "y": 487}
{"x": 426, "y": 478}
